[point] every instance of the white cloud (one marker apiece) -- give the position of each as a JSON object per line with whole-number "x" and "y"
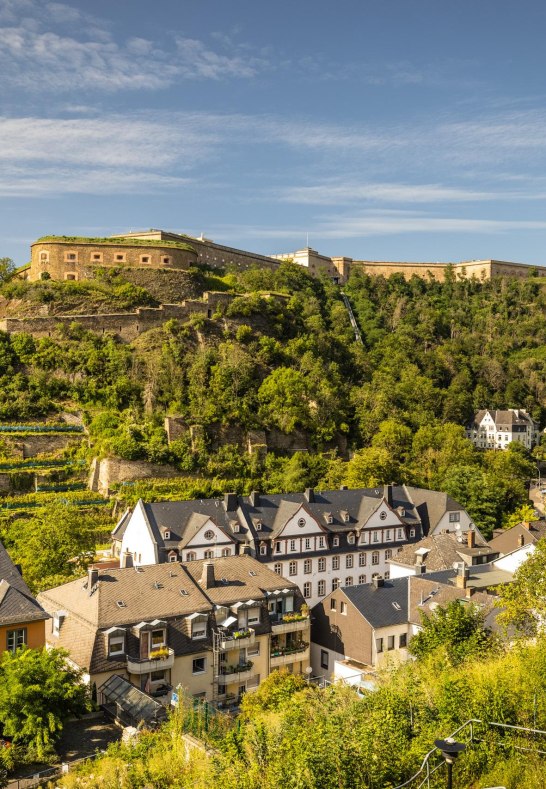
{"x": 55, "y": 47}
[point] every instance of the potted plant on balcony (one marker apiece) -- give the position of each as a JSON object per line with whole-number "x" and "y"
{"x": 245, "y": 633}
{"x": 158, "y": 653}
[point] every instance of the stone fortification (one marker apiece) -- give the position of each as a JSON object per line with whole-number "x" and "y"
{"x": 125, "y": 325}
{"x": 480, "y": 269}
{"x": 65, "y": 258}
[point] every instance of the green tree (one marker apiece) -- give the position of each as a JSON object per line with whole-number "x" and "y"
{"x": 371, "y": 466}
{"x": 523, "y": 602}
{"x": 7, "y": 268}
{"x": 457, "y": 627}
{"x": 39, "y": 691}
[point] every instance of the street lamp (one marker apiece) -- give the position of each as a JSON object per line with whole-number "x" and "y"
{"x": 450, "y": 750}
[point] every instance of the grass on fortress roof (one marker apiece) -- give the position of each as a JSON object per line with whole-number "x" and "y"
{"x": 116, "y": 241}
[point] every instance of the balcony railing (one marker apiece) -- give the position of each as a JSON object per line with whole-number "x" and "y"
{"x": 290, "y": 623}
{"x": 238, "y": 673}
{"x": 239, "y": 639}
{"x": 285, "y": 655}
{"x": 163, "y": 659}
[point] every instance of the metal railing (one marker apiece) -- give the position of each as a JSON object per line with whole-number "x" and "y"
{"x": 422, "y": 777}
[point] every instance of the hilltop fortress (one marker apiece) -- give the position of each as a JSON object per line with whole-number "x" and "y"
{"x": 72, "y": 258}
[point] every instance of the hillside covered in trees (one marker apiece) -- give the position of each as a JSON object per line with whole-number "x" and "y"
{"x": 283, "y": 356}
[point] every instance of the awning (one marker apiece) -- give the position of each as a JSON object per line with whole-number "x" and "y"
{"x": 194, "y": 616}
{"x": 130, "y": 702}
{"x": 229, "y": 621}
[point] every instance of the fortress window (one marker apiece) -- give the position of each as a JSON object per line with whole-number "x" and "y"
{"x": 70, "y": 276}
{"x": 144, "y": 258}
{"x": 44, "y": 257}
{"x": 165, "y": 260}
{"x": 70, "y": 256}
{"x": 120, "y": 257}
{"x": 96, "y": 257}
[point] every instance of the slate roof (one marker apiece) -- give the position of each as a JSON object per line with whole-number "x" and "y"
{"x": 183, "y": 519}
{"x": 509, "y": 540}
{"x": 17, "y": 605}
{"x": 429, "y": 591}
{"x": 506, "y": 418}
{"x": 440, "y": 551}
{"x": 381, "y": 606}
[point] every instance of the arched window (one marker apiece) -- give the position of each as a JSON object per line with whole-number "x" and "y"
{"x": 191, "y": 556}
{"x": 209, "y": 554}
{"x": 375, "y": 557}
{"x": 361, "y": 579}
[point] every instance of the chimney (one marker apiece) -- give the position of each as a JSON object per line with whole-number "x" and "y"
{"x": 207, "y": 578}
{"x": 230, "y": 501}
{"x": 387, "y": 493}
{"x": 126, "y": 559}
{"x": 309, "y": 495}
{"x": 471, "y": 538}
{"x": 418, "y": 558}
{"x": 254, "y": 498}
{"x": 526, "y": 525}
{"x": 521, "y": 541}
{"x": 378, "y": 581}
{"x": 462, "y": 576}
{"x": 92, "y": 579}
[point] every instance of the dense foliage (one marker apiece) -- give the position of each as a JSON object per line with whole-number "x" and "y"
{"x": 297, "y": 736}
{"x": 283, "y": 357}
{"x": 39, "y": 691}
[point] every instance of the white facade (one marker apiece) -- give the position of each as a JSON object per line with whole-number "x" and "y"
{"x": 497, "y": 429}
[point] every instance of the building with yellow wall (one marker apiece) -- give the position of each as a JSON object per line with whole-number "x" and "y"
{"x": 22, "y": 619}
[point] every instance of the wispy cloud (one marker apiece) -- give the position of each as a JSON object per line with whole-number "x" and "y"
{"x": 44, "y": 47}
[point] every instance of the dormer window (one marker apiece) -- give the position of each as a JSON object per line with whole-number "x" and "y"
{"x": 335, "y": 542}
{"x": 116, "y": 645}
{"x": 198, "y": 626}
{"x": 258, "y": 525}
{"x": 351, "y": 539}
{"x": 166, "y": 535}
{"x": 345, "y": 516}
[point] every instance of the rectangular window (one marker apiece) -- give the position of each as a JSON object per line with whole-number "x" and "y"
{"x": 402, "y": 640}
{"x": 361, "y": 579}
{"x": 254, "y": 649}
{"x": 199, "y": 629}
{"x": 349, "y": 580}
{"x": 144, "y": 258}
{"x": 321, "y": 588}
{"x": 116, "y": 646}
{"x": 335, "y": 563}
{"x": 293, "y": 568}
{"x": 278, "y": 569}
{"x": 16, "y": 639}
{"x": 158, "y": 638}
{"x": 454, "y": 517}
{"x": 97, "y": 257}
{"x": 292, "y": 545}
{"x": 399, "y": 534}
{"x": 307, "y": 589}
{"x": 278, "y": 547}
{"x": 70, "y": 256}
{"x": 120, "y": 257}
{"x": 335, "y": 542}
{"x": 198, "y": 665}
{"x": 349, "y": 561}
{"x": 307, "y": 566}
{"x": 157, "y": 676}
{"x": 323, "y": 658}
{"x": 412, "y": 532}
{"x": 343, "y": 608}
{"x": 376, "y": 536}
{"x": 388, "y": 536}
{"x": 263, "y": 550}
{"x": 362, "y": 560}
{"x": 321, "y": 542}
{"x": 335, "y": 584}
{"x": 321, "y": 565}
{"x": 333, "y": 604}
{"x": 307, "y": 544}
{"x": 379, "y": 645}
{"x": 390, "y": 642}
{"x": 375, "y": 557}
{"x": 253, "y": 616}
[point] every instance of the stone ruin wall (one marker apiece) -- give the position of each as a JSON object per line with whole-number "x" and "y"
{"x": 125, "y": 325}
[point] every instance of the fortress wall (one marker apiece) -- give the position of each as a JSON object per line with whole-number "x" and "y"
{"x": 408, "y": 270}
{"x": 67, "y": 260}
{"x": 125, "y": 325}
{"x": 219, "y": 256}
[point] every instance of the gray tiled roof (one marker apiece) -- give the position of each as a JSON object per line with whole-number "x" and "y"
{"x": 17, "y": 605}
{"x": 442, "y": 550}
{"x": 383, "y": 605}
{"x": 509, "y": 540}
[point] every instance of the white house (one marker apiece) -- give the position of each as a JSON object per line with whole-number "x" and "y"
{"x": 496, "y": 429}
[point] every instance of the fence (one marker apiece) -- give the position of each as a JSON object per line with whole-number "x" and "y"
{"x": 37, "y": 779}
{"x": 41, "y": 428}
{"x": 473, "y": 730}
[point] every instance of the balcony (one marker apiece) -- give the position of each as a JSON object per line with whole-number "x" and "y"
{"x": 229, "y": 674}
{"x": 238, "y": 639}
{"x": 285, "y": 655}
{"x": 164, "y": 660}
{"x": 290, "y": 623}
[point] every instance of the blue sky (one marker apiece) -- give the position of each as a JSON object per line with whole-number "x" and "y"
{"x": 387, "y": 130}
